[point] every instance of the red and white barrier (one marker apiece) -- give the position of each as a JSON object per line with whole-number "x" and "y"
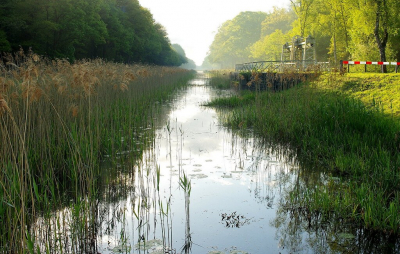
{"x": 366, "y": 63}
{"x": 371, "y": 63}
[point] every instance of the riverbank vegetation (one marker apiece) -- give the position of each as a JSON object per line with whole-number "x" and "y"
{"x": 58, "y": 122}
{"x": 373, "y": 89}
{"x": 336, "y": 127}
{"x": 220, "y": 79}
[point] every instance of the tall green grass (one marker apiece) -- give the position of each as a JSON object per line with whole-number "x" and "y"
{"x": 58, "y": 121}
{"x": 339, "y": 134}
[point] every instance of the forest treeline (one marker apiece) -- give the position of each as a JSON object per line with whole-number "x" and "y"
{"x": 117, "y": 30}
{"x": 366, "y": 30}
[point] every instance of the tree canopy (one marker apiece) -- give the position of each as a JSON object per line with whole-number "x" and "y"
{"x": 366, "y": 30}
{"x": 186, "y": 62}
{"x": 231, "y": 43}
{"x": 118, "y": 30}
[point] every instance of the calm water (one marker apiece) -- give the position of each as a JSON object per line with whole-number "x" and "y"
{"x": 240, "y": 200}
{"x": 237, "y": 186}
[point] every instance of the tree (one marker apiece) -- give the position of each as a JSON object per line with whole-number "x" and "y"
{"x": 332, "y": 22}
{"x": 381, "y": 29}
{"x": 279, "y": 18}
{"x": 269, "y": 48}
{"x": 5, "y": 45}
{"x": 303, "y": 10}
{"x": 374, "y": 26}
{"x": 119, "y": 30}
{"x": 232, "y": 43}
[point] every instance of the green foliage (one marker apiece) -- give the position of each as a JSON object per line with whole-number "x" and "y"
{"x": 373, "y": 89}
{"x": 330, "y": 130}
{"x": 233, "y": 102}
{"x": 185, "y": 184}
{"x": 220, "y": 79}
{"x": 305, "y": 15}
{"x": 278, "y": 19}
{"x": 119, "y": 30}
{"x": 270, "y": 47}
{"x": 4, "y": 44}
{"x": 343, "y": 29}
{"x": 234, "y": 37}
{"x": 186, "y": 62}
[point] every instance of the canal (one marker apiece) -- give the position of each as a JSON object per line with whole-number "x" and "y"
{"x": 237, "y": 184}
{"x": 200, "y": 187}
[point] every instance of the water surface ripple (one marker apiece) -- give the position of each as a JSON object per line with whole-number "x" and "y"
{"x": 202, "y": 188}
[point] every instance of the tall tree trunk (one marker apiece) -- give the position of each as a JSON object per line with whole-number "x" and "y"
{"x": 381, "y": 4}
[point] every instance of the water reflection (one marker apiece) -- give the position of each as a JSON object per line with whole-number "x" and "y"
{"x": 201, "y": 188}
{"x": 232, "y": 177}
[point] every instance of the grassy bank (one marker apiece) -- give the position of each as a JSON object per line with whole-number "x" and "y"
{"x": 330, "y": 128}
{"x": 373, "y": 89}
{"x": 58, "y": 121}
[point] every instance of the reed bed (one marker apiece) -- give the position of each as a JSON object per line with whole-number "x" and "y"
{"x": 58, "y": 122}
{"x": 221, "y": 79}
{"x": 357, "y": 145}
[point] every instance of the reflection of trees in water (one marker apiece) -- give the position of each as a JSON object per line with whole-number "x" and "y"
{"x": 298, "y": 229}
{"x": 270, "y": 167}
{"x": 301, "y": 230}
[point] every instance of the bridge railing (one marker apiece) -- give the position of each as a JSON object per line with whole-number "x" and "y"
{"x": 278, "y": 66}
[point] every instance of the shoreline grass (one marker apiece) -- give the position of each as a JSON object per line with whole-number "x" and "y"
{"x": 58, "y": 121}
{"x": 220, "y": 79}
{"x": 333, "y": 130}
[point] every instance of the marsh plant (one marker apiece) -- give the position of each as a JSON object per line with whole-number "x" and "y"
{"x": 58, "y": 122}
{"x": 221, "y": 79}
{"x": 186, "y": 185}
{"x": 356, "y": 144}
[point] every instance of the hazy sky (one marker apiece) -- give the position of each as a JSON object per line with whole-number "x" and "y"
{"x": 193, "y": 23}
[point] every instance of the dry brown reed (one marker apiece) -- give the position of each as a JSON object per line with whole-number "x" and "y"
{"x": 57, "y": 120}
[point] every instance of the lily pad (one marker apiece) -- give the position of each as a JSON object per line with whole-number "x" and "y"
{"x": 153, "y": 245}
{"x": 120, "y": 249}
{"x": 198, "y": 176}
{"x": 226, "y": 176}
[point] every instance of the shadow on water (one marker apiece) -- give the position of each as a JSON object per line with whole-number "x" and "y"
{"x": 201, "y": 188}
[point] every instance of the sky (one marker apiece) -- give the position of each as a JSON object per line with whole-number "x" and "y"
{"x": 194, "y": 23}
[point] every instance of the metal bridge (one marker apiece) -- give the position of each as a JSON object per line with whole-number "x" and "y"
{"x": 296, "y": 55}
{"x": 263, "y": 66}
